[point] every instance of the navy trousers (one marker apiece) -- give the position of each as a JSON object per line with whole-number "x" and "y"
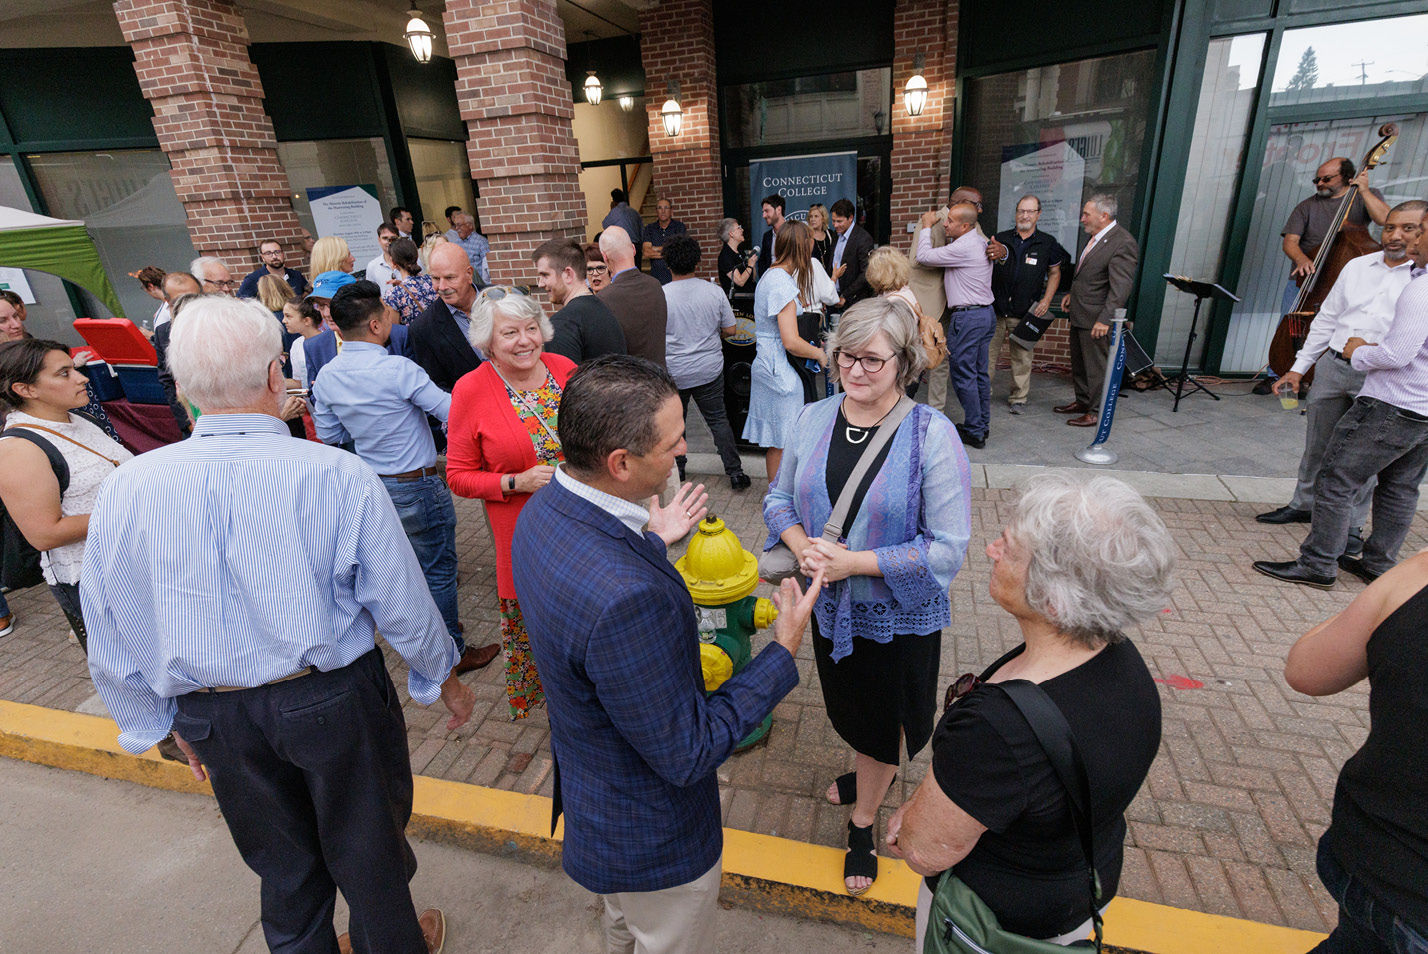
{"x": 314, "y": 781}
{"x": 969, "y": 334}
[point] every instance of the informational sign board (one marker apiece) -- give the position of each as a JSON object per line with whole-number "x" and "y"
{"x": 351, "y": 213}
{"x": 802, "y": 181}
{"x": 1055, "y": 173}
{"x": 13, "y": 279}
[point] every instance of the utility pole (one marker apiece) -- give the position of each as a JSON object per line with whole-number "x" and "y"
{"x": 1363, "y": 71}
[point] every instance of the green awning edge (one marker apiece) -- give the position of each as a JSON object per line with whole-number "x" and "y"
{"x": 65, "y": 251}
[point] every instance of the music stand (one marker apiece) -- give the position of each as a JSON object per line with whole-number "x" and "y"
{"x": 1201, "y": 290}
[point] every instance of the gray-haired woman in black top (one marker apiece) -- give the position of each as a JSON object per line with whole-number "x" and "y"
{"x": 1374, "y": 857}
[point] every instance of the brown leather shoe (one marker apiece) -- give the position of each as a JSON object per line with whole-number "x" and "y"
{"x": 1075, "y": 407}
{"x": 474, "y": 659}
{"x": 433, "y": 929}
{"x": 1085, "y": 420}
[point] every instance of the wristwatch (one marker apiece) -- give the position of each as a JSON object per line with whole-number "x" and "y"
{"x": 511, "y": 482}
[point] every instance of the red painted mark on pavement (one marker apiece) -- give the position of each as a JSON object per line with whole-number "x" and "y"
{"x": 1181, "y": 682}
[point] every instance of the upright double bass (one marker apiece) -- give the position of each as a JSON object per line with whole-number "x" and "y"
{"x": 1344, "y": 242}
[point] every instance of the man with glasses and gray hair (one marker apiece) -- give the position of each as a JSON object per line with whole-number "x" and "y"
{"x": 245, "y": 622}
{"x": 214, "y": 275}
{"x": 1025, "y": 276}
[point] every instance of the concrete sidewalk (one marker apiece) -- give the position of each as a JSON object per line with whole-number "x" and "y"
{"x": 96, "y": 865}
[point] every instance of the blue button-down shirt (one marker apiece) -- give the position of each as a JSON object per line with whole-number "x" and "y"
{"x": 379, "y": 402}
{"x": 197, "y": 574}
{"x": 838, "y": 252}
{"x": 476, "y": 248}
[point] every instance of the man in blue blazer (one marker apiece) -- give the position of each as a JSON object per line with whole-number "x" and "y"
{"x": 612, "y": 628}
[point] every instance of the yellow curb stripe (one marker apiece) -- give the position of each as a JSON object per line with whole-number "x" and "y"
{"x": 770, "y": 874}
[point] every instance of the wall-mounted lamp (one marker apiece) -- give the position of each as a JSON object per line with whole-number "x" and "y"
{"x": 914, "y": 94}
{"x": 593, "y": 86}
{"x": 419, "y": 36}
{"x": 671, "y": 112}
{"x": 627, "y": 102}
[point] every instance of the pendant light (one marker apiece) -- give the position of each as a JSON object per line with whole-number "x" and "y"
{"x": 419, "y": 36}
{"x": 593, "y": 87}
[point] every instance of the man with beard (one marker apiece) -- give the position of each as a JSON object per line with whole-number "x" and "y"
{"x": 1312, "y": 219}
{"x": 585, "y": 327}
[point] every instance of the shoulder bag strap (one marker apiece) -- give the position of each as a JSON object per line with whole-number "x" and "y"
{"x": 37, "y": 427}
{"x": 57, "y": 462}
{"x": 833, "y": 529}
{"x": 1054, "y": 734}
{"x": 540, "y": 419}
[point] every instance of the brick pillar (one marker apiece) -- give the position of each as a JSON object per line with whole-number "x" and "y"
{"x": 193, "y": 66}
{"x": 515, "y": 98}
{"x": 677, "y": 43}
{"x": 922, "y": 145}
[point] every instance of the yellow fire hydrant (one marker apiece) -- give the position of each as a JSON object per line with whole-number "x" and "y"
{"x": 722, "y": 576}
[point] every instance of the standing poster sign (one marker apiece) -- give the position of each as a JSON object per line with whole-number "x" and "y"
{"x": 802, "y": 181}
{"x": 349, "y": 212}
{"x": 1053, "y": 173}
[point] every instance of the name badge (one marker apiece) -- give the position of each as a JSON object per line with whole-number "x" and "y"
{"x": 1031, "y": 260}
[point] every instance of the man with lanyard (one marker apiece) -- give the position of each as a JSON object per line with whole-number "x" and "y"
{"x": 1361, "y": 303}
{"x": 967, "y": 280}
{"x": 1024, "y": 280}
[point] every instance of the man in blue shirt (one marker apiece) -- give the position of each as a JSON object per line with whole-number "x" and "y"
{"x": 233, "y": 586}
{"x": 656, "y": 234}
{"x": 275, "y": 264}
{"x": 379, "y": 402}
{"x": 621, "y": 214}
{"x": 474, "y": 244}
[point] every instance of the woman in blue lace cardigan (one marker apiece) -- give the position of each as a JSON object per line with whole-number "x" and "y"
{"x": 878, "y": 623}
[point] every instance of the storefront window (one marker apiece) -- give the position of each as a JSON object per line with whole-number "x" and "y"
{"x": 1217, "y": 152}
{"x": 808, "y": 108}
{"x": 1062, "y": 132}
{"x": 1370, "y": 59}
{"x": 126, "y": 200}
{"x": 443, "y": 177}
{"x": 1294, "y": 152}
{"x": 326, "y": 163}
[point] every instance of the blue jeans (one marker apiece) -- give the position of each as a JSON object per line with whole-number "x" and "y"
{"x": 1372, "y": 438}
{"x": 969, "y": 335}
{"x": 1366, "y": 924}
{"x": 4, "y": 606}
{"x": 429, "y": 518}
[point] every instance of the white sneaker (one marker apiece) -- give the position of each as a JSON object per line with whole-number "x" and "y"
{"x": 7, "y": 623}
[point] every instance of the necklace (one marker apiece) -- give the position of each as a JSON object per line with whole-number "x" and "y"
{"x": 863, "y": 433}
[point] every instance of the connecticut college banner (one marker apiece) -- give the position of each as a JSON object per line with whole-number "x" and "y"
{"x": 802, "y": 181}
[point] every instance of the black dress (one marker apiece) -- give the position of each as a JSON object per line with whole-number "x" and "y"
{"x": 823, "y": 251}
{"x": 730, "y": 260}
{"x": 879, "y": 691}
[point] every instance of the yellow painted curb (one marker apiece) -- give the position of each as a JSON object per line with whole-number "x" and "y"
{"x": 770, "y": 874}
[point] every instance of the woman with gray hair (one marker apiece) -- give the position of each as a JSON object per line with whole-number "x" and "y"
{"x": 503, "y": 447}
{"x": 736, "y": 268}
{"x": 877, "y": 629}
{"x": 1079, "y": 562}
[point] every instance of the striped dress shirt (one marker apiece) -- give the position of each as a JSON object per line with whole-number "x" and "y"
{"x": 241, "y": 556}
{"x": 1398, "y": 365}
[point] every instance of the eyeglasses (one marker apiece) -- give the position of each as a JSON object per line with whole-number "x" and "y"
{"x": 1318, "y": 179}
{"x": 1027, "y": 211}
{"x": 964, "y": 684}
{"x": 871, "y": 363}
{"x": 597, "y": 269}
{"x": 497, "y": 292}
{"x": 226, "y": 286}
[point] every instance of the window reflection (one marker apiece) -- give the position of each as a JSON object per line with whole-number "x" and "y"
{"x": 1345, "y": 61}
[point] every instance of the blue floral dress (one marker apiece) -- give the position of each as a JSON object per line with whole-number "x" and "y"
{"x": 775, "y": 391}
{"x": 410, "y": 296}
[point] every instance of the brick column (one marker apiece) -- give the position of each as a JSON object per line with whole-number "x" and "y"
{"x": 677, "y": 43}
{"x": 513, "y": 94}
{"x": 193, "y": 66}
{"x": 922, "y": 145}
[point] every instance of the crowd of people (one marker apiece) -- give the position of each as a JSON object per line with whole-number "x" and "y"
{"x": 238, "y": 632}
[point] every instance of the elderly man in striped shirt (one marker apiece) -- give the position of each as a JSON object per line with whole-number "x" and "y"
{"x": 235, "y": 583}
{"x": 1384, "y": 434}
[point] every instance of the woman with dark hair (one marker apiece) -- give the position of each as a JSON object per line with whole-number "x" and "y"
{"x": 151, "y": 278}
{"x": 410, "y": 292}
{"x": 597, "y": 273}
{"x": 775, "y": 389}
{"x": 39, "y": 388}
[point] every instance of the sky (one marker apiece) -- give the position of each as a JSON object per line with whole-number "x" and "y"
{"x": 1396, "y": 51}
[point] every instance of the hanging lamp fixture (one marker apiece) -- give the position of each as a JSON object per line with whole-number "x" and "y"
{"x": 419, "y": 36}
{"x": 671, "y": 112}
{"x": 593, "y": 87}
{"x": 914, "y": 94}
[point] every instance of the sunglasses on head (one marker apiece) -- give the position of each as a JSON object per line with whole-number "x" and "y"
{"x": 497, "y": 292}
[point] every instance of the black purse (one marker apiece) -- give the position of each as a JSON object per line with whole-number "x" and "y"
{"x": 19, "y": 561}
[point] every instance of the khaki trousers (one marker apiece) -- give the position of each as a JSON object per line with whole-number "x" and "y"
{"x": 1020, "y": 359}
{"x": 938, "y": 377}
{"x": 678, "y": 920}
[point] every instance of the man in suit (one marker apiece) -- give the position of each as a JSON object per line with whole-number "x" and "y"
{"x": 1100, "y": 284}
{"x": 439, "y": 339}
{"x": 772, "y": 211}
{"x": 850, "y": 255}
{"x": 636, "y": 298}
{"x": 636, "y": 740}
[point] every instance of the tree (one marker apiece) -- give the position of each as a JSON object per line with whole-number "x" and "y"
{"x": 1308, "y": 72}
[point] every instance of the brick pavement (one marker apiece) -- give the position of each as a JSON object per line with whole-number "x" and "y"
{"x": 1226, "y": 823}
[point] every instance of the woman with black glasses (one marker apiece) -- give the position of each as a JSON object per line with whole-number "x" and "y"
{"x": 1079, "y": 563}
{"x": 877, "y": 628}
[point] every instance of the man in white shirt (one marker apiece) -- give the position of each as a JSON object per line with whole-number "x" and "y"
{"x": 379, "y": 269}
{"x": 1360, "y": 304}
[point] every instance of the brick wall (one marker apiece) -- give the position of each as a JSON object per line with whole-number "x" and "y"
{"x": 922, "y": 145}
{"x": 191, "y": 57}
{"x": 515, "y": 99}
{"x": 677, "y": 43}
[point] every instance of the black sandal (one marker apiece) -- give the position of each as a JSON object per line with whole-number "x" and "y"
{"x": 861, "y": 861}
{"x": 848, "y": 788}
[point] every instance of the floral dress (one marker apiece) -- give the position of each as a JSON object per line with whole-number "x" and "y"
{"x": 537, "y": 410}
{"x": 410, "y": 296}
